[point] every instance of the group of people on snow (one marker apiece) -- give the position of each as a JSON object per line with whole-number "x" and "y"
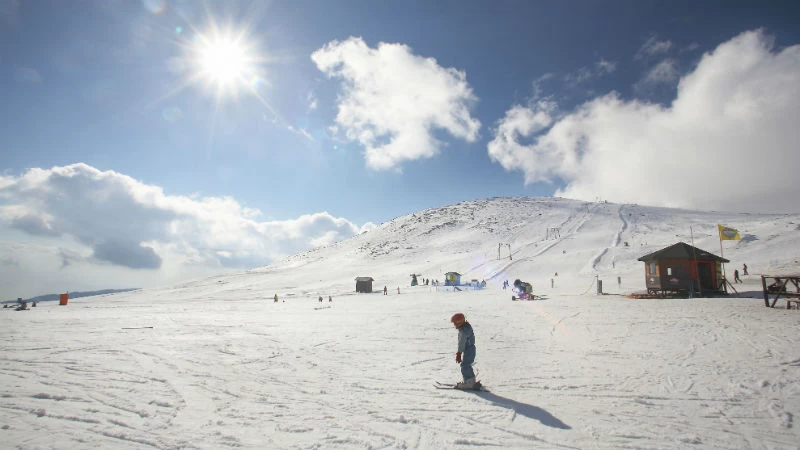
{"x": 330, "y": 298}
{"x": 736, "y": 278}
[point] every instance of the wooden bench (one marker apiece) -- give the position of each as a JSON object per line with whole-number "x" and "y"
{"x": 783, "y": 287}
{"x": 791, "y": 297}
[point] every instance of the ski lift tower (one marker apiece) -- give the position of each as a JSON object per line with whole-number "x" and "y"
{"x": 500, "y": 246}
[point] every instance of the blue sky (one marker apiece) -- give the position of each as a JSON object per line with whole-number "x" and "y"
{"x": 145, "y": 142}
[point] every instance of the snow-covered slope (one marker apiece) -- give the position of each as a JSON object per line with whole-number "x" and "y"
{"x": 216, "y": 363}
{"x": 592, "y": 240}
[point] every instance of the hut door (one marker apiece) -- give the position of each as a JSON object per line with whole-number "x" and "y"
{"x": 704, "y": 275}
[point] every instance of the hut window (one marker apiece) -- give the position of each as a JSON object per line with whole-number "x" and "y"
{"x": 669, "y": 271}
{"x": 652, "y": 268}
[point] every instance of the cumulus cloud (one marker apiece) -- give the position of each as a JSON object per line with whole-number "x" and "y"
{"x": 392, "y": 100}
{"x": 105, "y": 218}
{"x": 125, "y": 253}
{"x": 369, "y": 226}
{"x": 728, "y": 141}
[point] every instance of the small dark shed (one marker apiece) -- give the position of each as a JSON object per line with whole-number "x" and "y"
{"x": 683, "y": 269}
{"x": 364, "y": 284}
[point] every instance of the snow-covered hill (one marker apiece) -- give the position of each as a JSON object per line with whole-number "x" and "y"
{"x": 577, "y": 240}
{"x": 216, "y": 363}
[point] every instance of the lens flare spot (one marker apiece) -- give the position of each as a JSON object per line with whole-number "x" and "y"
{"x": 257, "y": 82}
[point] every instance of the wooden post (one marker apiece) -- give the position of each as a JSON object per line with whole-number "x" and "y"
{"x": 696, "y": 268}
{"x": 766, "y": 294}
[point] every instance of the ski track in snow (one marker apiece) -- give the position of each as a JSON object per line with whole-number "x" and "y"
{"x": 248, "y": 373}
{"x": 226, "y": 367}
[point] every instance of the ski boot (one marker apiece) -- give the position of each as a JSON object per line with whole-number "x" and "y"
{"x": 469, "y": 383}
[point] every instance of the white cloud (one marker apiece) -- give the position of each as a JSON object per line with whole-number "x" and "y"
{"x": 369, "y": 226}
{"x": 653, "y": 47}
{"x": 665, "y": 72}
{"x": 522, "y": 122}
{"x": 312, "y": 101}
{"x": 538, "y": 85}
{"x": 727, "y": 142}
{"x": 579, "y": 76}
{"x": 605, "y": 67}
{"x": 393, "y": 100}
{"x": 584, "y": 74}
{"x": 301, "y": 132}
{"x": 108, "y": 222}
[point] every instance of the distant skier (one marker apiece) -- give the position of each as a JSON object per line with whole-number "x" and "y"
{"x": 276, "y": 298}
{"x": 320, "y": 299}
{"x": 736, "y": 278}
{"x": 330, "y": 299}
{"x": 744, "y": 269}
{"x": 466, "y": 346}
{"x": 385, "y": 291}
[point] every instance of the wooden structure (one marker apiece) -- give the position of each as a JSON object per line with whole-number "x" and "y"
{"x": 786, "y": 287}
{"x": 683, "y": 270}
{"x": 364, "y": 284}
{"x": 452, "y": 279}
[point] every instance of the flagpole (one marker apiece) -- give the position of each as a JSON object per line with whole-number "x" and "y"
{"x": 722, "y": 255}
{"x": 696, "y": 268}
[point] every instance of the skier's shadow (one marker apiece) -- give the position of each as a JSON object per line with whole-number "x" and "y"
{"x": 533, "y": 412}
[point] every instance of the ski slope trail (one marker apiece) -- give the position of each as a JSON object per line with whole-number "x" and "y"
{"x": 219, "y": 371}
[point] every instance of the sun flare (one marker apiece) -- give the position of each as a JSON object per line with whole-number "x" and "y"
{"x": 225, "y": 62}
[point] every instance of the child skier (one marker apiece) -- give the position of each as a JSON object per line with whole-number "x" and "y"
{"x": 466, "y": 346}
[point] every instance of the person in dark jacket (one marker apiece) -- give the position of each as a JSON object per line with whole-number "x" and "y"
{"x": 466, "y": 347}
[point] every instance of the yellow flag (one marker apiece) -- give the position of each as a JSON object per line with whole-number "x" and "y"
{"x": 728, "y": 234}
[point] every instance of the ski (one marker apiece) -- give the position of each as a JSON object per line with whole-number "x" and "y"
{"x": 478, "y": 386}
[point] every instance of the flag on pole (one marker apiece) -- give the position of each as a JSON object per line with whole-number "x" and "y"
{"x": 728, "y": 234}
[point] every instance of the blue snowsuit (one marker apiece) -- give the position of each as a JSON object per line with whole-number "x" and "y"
{"x": 466, "y": 346}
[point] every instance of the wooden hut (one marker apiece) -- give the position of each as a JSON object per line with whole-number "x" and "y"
{"x": 452, "y": 279}
{"x": 364, "y": 284}
{"x": 684, "y": 270}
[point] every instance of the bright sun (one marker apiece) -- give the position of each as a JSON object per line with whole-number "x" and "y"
{"x": 225, "y": 62}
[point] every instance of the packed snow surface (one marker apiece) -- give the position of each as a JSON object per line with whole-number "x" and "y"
{"x": 217, "y": 363}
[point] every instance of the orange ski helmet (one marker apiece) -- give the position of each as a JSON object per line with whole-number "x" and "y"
{"x": 458, "y": 319}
